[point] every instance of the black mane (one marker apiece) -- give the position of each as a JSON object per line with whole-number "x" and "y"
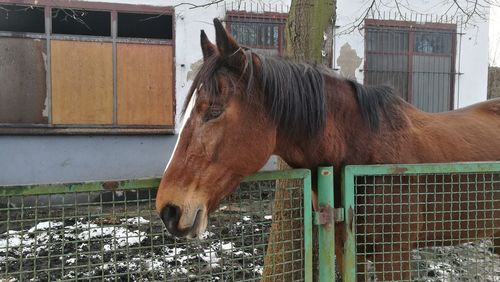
{"x": 293, "y": 93}
{"x": 376, "y": 102}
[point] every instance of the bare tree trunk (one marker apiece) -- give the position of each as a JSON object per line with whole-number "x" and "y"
{"x": 309, "y": 30}
{"x": 282, "y": 261}
{"x": 309, "y": 36}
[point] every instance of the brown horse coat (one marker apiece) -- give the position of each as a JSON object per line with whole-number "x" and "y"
{"x": 245, "y": 107}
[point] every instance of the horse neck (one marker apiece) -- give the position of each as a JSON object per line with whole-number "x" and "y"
{"x": 332, "y": 145}
{"x": 346, "y": 138}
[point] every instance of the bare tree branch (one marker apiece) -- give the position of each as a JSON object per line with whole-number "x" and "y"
{"x": 460, "y": 7}
{"x": 358, "y": 22}
{"x": 399, "y": 9}
{"x": 72, "y": 14}
{"x": 194, "y": 6}
{"x": 461, "y": 11}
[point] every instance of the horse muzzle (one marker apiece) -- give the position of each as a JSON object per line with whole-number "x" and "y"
{"x": 189, "y": 223}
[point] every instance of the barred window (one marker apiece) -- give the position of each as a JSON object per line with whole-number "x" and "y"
{"x": 418, "y": 60}
{"x": 261, "y": 32}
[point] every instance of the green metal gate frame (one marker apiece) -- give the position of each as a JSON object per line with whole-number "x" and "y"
{"x": 325, "y": 218}
{"x": 348, "y": 207}
{"x": 303, "y": 175}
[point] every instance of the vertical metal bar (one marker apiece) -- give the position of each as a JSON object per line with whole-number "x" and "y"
{"x": 326, "y": 231}
{"x": 368, "y": 45}
{"x": 347, "y": 190}
{"x": 411, "y": 43}
{"x": 453, "y": 70}
{"x": 114, "y": 34}
{"x": 459, "y": 61}
{"x": 48, "y": 63}
{"x": 308, "y": 245}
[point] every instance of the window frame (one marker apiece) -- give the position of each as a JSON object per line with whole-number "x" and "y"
{"x": 412, "y": 27}
{"x": 113, "y": 8}
{"x": 266, "y": 17}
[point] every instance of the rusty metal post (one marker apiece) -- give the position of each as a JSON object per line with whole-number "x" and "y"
{"x": 347, "y": 202}
{"x": 326, "y": 221}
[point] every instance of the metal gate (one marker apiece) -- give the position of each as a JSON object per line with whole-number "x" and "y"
{"x": 108, "y": 231}
{"x": 429, "y": 222}
{"x": 426, "y": 222}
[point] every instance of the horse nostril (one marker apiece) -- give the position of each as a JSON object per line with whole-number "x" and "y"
{"x": 173, "y": 212}
{"x": 170, "y": 216}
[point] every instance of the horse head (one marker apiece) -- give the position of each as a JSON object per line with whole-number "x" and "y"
{"x": 225, "y": 136}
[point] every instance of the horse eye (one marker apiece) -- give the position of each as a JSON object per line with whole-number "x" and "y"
{"x": 213, "y": 112}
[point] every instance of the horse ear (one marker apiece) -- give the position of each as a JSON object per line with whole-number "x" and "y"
{"x": 225, "y": 42}
{"x": 207, "y": 47}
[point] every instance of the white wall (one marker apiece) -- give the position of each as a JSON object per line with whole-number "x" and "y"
{"x": 470, "y": 86}
{"x": 188, "y": 23}
{"x": 50, "y": 159}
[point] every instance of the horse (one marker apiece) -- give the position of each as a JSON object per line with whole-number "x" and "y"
{"x": 244, "y": 107}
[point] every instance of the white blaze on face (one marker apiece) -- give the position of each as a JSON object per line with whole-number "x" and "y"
{"x": 187, "y": 114}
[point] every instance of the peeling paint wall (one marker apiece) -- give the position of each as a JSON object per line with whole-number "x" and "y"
{"x": 193, "y": 69}
{"x": 348, "y": 61}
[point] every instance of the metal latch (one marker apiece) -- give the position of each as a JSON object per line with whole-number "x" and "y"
{"x": 327, "y": 214}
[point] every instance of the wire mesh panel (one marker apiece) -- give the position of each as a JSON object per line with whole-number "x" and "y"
{"x": 426, "y": 222}
{"x": 86, "y": 232}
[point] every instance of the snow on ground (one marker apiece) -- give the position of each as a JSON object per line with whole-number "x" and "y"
{"x": 132, "y": 249}
{"x": 81, "y": 249}
{"x": 473, "y": 261}
{"x": 468, "y": 262}
{"x": 135, "y": 220}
